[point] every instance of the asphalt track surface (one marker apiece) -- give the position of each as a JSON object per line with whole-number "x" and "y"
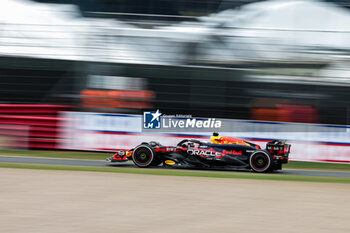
{"x": 98, "y": 163}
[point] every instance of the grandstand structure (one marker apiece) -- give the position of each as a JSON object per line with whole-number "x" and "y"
{"x": 183, "y": 69}
{"x": 106, "y": 8}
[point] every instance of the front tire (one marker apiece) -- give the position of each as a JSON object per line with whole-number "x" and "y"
{"x": 143, "y": 156}
{"x": 260, "y": 161}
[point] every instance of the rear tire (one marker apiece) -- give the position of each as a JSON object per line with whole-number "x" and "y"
{"x": 276, "y": 167}
{"x": 260, "y": 161}
{"x": 143, "y": 156}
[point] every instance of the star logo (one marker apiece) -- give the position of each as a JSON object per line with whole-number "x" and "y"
{"x": 152, "y": 120}
{"x": 156, "y": 115}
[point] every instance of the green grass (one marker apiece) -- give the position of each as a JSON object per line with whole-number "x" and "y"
{"x": 317, "y": 166}
{"x": 207, "y": 174}
{"x": 58, "y": 154}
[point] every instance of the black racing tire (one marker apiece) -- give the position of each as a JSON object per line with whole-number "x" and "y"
{"x": 143, "y": 156}
{"x": 276, "y": 167}
{"x": 260, "y": 161}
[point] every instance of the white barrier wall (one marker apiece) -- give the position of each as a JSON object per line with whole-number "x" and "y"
{"x": 109, "y": 132}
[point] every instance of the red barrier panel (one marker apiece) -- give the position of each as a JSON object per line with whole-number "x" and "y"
{"x": 30, "y": 120}
{"x": 31, "y": 125}
{"x": 31, "y": 131}
{"x": 33, "y": 143}
{"x": 32, "y": 109}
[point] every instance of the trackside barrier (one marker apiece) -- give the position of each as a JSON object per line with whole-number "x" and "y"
{"x": 32, "y": 109}
{"x": 109, "y": 132}
{"x": 31, "y": 125}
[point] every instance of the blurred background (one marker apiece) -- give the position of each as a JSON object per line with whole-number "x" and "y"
{"x": 277, "y": 60}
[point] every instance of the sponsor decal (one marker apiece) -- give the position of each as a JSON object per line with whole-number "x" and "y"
{"x": 169, "y": 162}
{"x": 203, "y": 152}
{"x": 171, "y": 149}
{"x": 232, "y": 152}
{"x": 274, "y": 148}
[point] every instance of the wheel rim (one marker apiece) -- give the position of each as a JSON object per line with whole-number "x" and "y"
{"x": 260, "y": 161}
{"x": 142, "y": 156}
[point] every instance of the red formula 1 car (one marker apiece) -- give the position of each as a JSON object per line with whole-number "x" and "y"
{"x": 220, "y": 152}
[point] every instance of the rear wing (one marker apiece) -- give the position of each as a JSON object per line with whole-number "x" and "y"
{"x": 278, "y": 147}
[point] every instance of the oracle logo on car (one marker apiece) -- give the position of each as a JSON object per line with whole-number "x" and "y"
{"x": 203, "y": 152}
